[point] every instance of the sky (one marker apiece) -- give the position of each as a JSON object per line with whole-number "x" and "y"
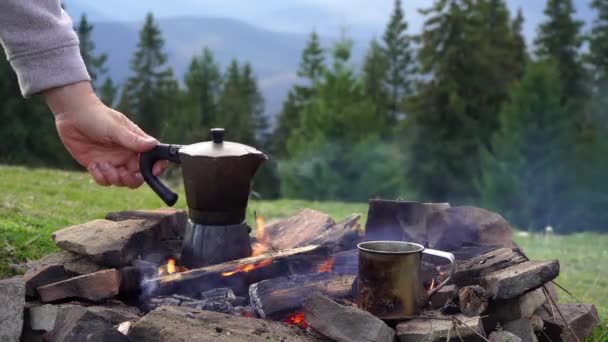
{"x": 358, "y": 17}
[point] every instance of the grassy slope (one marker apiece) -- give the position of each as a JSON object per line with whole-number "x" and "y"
{"x": 34, "y": 203}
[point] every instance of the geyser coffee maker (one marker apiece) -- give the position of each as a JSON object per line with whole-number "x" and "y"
{"x": 217, "y": 179}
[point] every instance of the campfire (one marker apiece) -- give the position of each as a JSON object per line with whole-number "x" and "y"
{"x": 302, "y": 282}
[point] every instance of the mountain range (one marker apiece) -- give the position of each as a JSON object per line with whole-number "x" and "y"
{"x": 269, "y": 34}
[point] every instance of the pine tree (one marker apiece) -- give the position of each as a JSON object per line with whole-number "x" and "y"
{"x": 400, "y": 61}
{"x": 149, "y": 92}
{"x": 527, "y": 175}
{"x": 375, "y": 68}
{"x": 311, "y": 69}
{"x": 519, "y": 44}
{"x": 108, "y": 92}
{"x": 598, "y": 60}
{"x": 95, "y": 64}
{"x": 203, "y": 84}
{"x": 559, "y": 38}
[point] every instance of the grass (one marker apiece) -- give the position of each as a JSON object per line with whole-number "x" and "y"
{"x": 36, "y": 202}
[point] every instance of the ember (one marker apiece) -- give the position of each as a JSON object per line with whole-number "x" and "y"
{"x": 328, "y": 265}
{"x": 170, "y": 268}
{"x": 297, "y": 319}
{"x": 248, "y": 267}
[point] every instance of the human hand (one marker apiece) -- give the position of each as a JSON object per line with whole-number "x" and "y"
{"x": 101, "y": 139}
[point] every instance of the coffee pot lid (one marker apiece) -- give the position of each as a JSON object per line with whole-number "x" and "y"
{"x": 217, "y": 147}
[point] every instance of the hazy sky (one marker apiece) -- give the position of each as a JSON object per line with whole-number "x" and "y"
{"x": 358, "y": 17}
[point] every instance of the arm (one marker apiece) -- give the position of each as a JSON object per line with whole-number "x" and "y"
{"x": 41, "y": 45}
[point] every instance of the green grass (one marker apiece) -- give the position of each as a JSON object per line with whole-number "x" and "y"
{"x": 36, "y": 202}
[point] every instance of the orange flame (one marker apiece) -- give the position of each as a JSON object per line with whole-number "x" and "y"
{"x": 328, "y": 265}
{"x": 432, "y": 284}
{"x": 170, "y": 268}
{"x": 263, "y": 244}
{"x": 297, "y": 319}
{"x": 248, "y": 267}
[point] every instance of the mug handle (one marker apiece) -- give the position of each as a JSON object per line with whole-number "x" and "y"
{"x": 444, "y": 255}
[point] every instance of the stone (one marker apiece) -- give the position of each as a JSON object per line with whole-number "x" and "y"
{"x": 116, "y": 312}
{"x": 94, "y": 287}
{"x": 520, "y": 307}
{"x": 116, "y": 243}
{"x": 12, "y": 297}
{"x": 503, "y": 336}
{"x": 519, "y": 279}
{"x": 43, "y": 317}
{"x": 344, "y": 323}
{"x": 454, "y": 227}
{"x": 582, "y": 319}
{"x": 79, "y": 324}
{"x": 442, "y": 296}
{"x": 44, "y": 275}
{"x": 169, "y": 323}
{"x": 436, "y": 328}
{"x": 72, "y": 262}
{"x": 521, "y": 328}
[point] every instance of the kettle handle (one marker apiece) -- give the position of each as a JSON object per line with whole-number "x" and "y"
{"x": 146, "y": 164}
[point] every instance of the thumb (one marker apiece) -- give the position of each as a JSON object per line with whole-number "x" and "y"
{"x": 133, "y": 141}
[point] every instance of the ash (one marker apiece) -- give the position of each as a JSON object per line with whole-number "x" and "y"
{"x": 219, "y": 300}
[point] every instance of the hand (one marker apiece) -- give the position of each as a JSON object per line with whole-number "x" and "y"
{"x": 101, "y": 139}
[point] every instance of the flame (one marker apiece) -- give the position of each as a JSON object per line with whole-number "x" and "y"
{"x": 432, "y": 284}
{"x": 170, "y": 268}
{"x": 263, "y": 244}
{"x": 327, "y": 265}
{"x": 248, "y": 267}
{"x": 297, "y": 319}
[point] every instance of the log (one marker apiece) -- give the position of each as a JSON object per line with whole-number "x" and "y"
{"x": 344, "y": 323}
{"x": 517, "y": 280}
{"x": 469, "y": 271}
{"x": 279, "y": 297}
{"x": 238, "y": 274}
{"x": 436, "y": 327}
{"x": 582, "y": 319}
{"x": 297, "y": 231}
{"x": 442, "y": 296}
{"x": 472, "y": 300}
{"x": 342, "y": 236}
{"x": 94, "y": 287}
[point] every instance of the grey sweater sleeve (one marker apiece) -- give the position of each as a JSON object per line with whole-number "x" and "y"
{"x": 41, "y": 45}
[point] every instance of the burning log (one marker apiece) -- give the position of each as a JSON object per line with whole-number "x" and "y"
{"x": 342, "y": 236}
{"x": 297, "y": 231}
{"x": 343, "y": 323}
{"x": 238, "y": 274}
{"x": 469, "y": 271}
{"x": 472, "y": 300}
{"x": 517, "y": 280}
{"x": 281, "y": 296}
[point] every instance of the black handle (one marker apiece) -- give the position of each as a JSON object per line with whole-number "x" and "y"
{"x": 146, "y": 163}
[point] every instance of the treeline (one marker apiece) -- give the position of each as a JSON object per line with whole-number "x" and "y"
{"x": 465, "y": 112}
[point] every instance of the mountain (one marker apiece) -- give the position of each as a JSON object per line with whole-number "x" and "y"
{"x": 273, "y": 55}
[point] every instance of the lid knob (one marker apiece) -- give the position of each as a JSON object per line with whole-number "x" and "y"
{"x": 217, "y": 135}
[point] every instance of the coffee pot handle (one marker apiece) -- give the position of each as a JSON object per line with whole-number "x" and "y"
{"x": 444, "y": 255}
{"x": 146, "y": 164}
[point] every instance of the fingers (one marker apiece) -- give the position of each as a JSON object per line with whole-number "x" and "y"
{"x": 110, "y": 173}
{"x": 129, "y": 179}
{"x": 132, "y": 138}
{"x": 97, "y": 175}
{"x": 159, "y": 167}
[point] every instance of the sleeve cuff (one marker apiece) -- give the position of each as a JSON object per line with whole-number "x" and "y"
{"x": 50, "y": 69}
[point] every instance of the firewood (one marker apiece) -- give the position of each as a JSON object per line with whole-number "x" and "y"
{"x": 581, "y": 320}
{"x": 516, "y": 308}
{"x": 94, "y": 287}
{"x": 238, "y": 274}
{"x": 469, "y": 271}
{"x": 298, "y": 230}
{"x": 342, "y": 236}
{"x": 433, "y": 326}
{"x": 344, "y": 323}
{"x": 281, "y": 296}
{"x": 442, "y": 296}
{"x": 472, "y": 300}
{"x": 517, "y": 280}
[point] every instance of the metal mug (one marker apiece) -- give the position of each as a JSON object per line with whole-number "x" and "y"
{"x": 389, "y": 284}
